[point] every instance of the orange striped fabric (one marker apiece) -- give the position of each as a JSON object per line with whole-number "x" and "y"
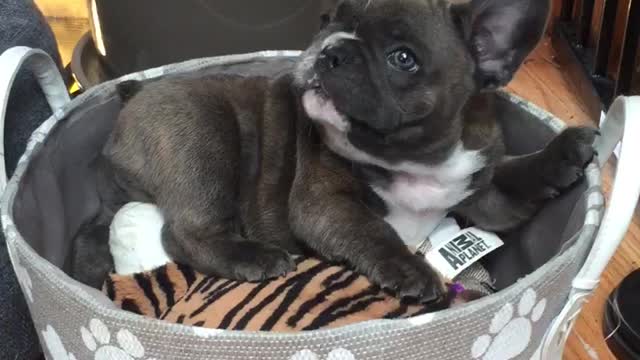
{"x": 316, "y": 296}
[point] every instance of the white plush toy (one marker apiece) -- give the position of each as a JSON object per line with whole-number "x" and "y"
{"x": 135, "y": 239}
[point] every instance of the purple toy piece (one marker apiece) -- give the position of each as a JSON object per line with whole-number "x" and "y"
{"x": 456, "y": 288}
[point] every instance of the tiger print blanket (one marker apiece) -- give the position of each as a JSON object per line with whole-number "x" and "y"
{"x": 316, "y": 296}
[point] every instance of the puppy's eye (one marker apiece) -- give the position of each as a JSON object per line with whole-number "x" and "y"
{"x": 403, "y": 60}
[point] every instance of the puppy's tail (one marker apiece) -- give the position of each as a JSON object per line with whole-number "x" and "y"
{"x": 128, "y": 89}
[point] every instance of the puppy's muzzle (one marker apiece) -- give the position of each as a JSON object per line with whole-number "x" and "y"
{"x": 334, "y": 56}
{"x": 338, "y": 49}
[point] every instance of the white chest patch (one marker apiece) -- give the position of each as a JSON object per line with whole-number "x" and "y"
{"x": 420, "y": 195}
{"x": 413, "y": 227}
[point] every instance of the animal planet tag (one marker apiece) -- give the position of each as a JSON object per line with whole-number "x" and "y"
{"x": 463, "y": 249}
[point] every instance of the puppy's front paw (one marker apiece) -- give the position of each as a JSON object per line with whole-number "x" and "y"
{"x": 259, "y": 262}
{"x": 566, "y": 157}
{"x": 410, "y": 278}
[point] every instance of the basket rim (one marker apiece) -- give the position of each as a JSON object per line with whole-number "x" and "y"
{"x": 83, "y": 294}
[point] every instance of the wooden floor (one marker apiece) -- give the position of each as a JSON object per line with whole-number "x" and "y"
{"x": 542, "y": 81}
{"x": 68, "y": 20}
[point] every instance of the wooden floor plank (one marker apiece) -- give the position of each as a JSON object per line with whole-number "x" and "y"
{"x": 542, "y": 81}
{"x": 68, "y": 31}
{"x": 64, "y": 8}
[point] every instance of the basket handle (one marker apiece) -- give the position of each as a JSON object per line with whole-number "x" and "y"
{"x": 49, "y": 78}
{"x": 622, "y": 122}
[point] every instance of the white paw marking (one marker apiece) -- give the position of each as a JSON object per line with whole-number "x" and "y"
{"x": 98, "y": 340}
{"x": 510, "y": 332}
{"x": 337, "y": 354}
{"x": 54, "y": 345}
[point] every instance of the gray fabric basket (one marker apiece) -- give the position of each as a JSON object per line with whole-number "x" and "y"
{"x": 52, "y": 193}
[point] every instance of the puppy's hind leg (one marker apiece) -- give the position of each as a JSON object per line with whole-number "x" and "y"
{"x": 214, "y": 249}
{"x": 180, "y": 142}
{"x": 91, "y": 259}
{"x": 201, "y": 227}
{"x": 199, "y": 196}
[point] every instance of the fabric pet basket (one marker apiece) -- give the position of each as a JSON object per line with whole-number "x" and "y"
{"x": 546, "y": 271}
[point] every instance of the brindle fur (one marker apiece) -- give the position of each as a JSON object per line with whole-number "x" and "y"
{"x": 243, "y": 177}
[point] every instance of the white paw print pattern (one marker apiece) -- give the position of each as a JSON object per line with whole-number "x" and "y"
{"x": 510, "y": 333}
{"x": 205, "y": 332}
{"x": 98, "y": 340}
{"x": 337, "y": 354}
{"x": 54, "y": 345}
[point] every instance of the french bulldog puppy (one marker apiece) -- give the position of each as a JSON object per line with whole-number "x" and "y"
{"x": 386, "y": 124}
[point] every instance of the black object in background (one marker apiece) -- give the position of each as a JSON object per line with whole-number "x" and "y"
{"x": 622, "y": 319}
{"x": 135, "y": 35}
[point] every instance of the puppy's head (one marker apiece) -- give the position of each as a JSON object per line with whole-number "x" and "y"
{"x": 393, "y": 75}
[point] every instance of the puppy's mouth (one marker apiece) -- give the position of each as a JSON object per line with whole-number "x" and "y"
{"x": 321, "y": 108}
{"x": 315, "y": 84}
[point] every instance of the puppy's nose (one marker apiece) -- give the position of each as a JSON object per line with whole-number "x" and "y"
{"x": 335, "y": 56}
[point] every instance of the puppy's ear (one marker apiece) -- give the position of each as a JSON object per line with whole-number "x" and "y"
{"x": 500, "y": 34}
